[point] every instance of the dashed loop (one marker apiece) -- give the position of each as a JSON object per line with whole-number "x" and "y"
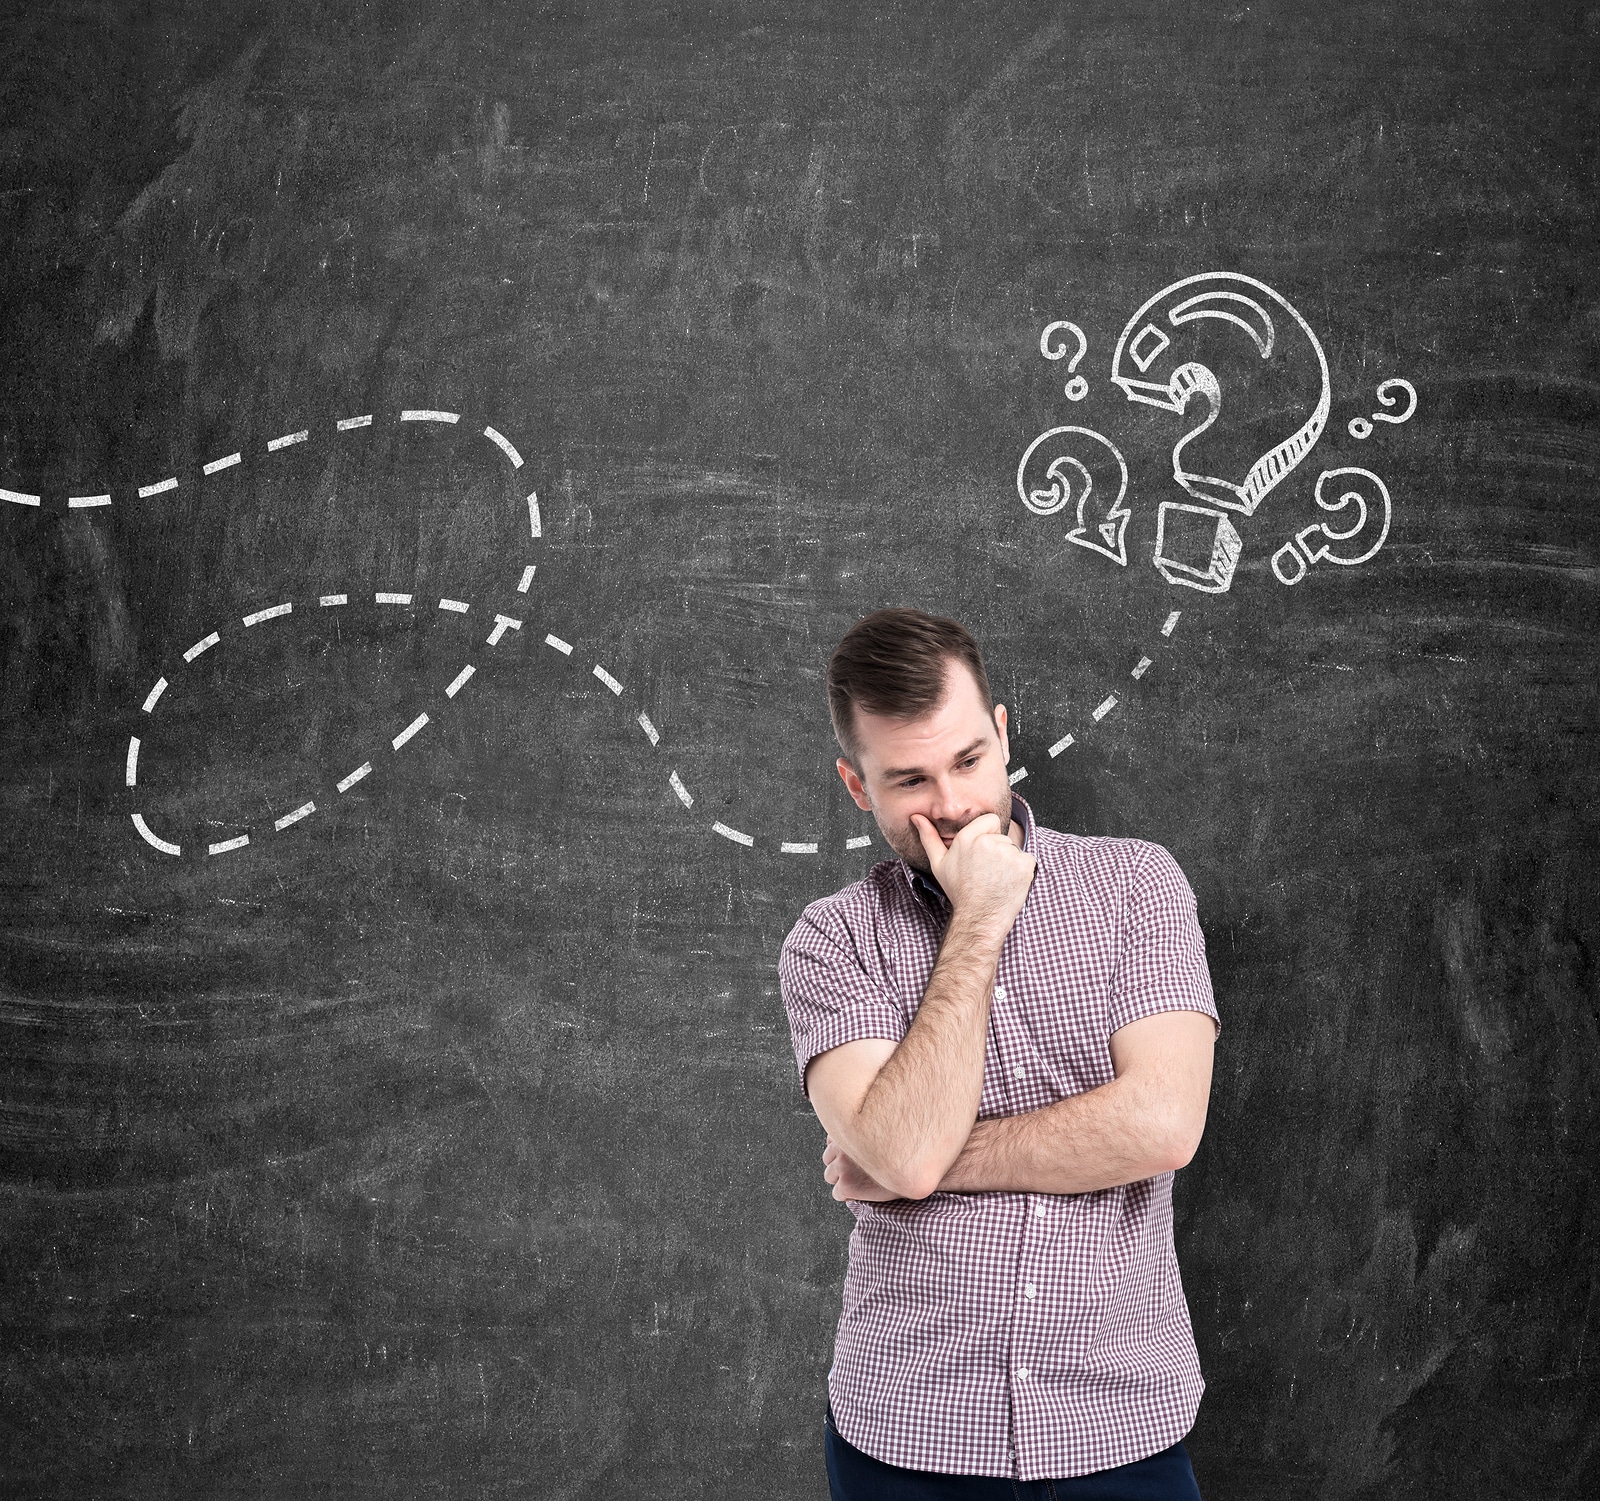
{"x": 397, "y": 599}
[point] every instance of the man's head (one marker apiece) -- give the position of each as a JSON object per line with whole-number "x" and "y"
{"x": 920, "y": 734}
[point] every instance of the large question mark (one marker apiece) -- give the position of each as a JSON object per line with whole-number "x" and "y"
{"x": 1076, "y": 388}
{"x": 1360, "y": 428}
{"x": 1197, "y": 546}
{"x": 1357, "y": 543}
{"x": 1101, "y": 525}
{"x": 1150, "y": 366}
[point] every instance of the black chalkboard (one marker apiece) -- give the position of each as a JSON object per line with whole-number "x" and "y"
{"x": 443, "y": 1139}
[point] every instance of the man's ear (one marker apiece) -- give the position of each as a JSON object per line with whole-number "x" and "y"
{"x": 853, "y": 785}
{"x": 1000, "y": 725}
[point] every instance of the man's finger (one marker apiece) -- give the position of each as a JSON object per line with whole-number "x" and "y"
{"x": 984, "y": 823}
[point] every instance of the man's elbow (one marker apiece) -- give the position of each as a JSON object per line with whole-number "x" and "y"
{"x": 911, "y": 1179}
{"x": 1179, "y": 1138}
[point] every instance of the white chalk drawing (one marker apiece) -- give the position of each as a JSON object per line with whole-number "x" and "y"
{"x": 1076, "y": 388}
{"x": 1197, "y": 546}
{"x": 401, "y": 736}
{"x": 1069, "y": 467}
{"x": 1361, "y": 428}
{"x": 1368, "y": 515}
{"x": 1150, "y": 367}
{"x": 1100, "y": 518}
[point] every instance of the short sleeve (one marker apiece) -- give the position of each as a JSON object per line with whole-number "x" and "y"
{"x": 828, "y": 992}
{"x": 1162, "y": 965}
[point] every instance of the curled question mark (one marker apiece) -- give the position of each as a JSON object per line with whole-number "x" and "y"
{"x": 1363, "y": 502}
{"x": 1361, "y": 428}
{"x": 1076, "y": 388}
{"x": 1059, "y": 470}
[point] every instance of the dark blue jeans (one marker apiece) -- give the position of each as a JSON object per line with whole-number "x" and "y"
{"x": 854, "y": 1476}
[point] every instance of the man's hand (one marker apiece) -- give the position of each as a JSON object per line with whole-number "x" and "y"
{"x": 983, "y": 873}
{"x": 850, "y": 1181}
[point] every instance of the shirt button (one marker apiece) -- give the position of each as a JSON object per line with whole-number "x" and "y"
{"x": 1022, "y": 1373}
{"x": 1020, "y": 1071}
{"x": 1029, "y": 1290}
{"x": 999, "y": 992}
{"x": 1038, "y": 1209}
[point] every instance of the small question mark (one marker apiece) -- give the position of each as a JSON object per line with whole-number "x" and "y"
{"x": 1361, "y": 428}
{"x": 1076, "y": 388}
{"x": 1363, "y": 502}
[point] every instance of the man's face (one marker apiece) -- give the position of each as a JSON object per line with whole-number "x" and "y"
{"x": 949, "y": 766}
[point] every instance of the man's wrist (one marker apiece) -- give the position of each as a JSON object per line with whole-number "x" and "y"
{"x": 980, "y": 931}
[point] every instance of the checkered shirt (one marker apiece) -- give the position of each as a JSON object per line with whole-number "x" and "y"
{"x": 1027, "y": 1335}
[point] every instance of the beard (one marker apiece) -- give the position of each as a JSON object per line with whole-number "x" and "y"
{"x": 904, "y": 840}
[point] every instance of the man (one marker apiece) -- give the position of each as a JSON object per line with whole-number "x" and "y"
{"x": 1007, "y": 1035}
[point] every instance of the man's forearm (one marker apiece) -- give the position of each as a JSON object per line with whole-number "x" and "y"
{"x": 924, "y": 1100}
{"x": 1094, "y": 1140}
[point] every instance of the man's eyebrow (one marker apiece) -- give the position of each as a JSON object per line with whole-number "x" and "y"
{"x": 915, "y": 771}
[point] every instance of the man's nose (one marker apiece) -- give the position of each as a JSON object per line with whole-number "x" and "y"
{"x": 946, "y": 807}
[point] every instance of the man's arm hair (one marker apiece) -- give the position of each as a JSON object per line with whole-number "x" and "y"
{"x": 904, "y": 1110}
{"x": 1147, "y": 1120}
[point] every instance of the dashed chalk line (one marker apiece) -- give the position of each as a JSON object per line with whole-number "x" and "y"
{"x": 303, "y": 811}
{"x": 503, "y": 623}
{"x": 153, "y": 839}
{"x": 346, "y": 783}
{"x": 410, "y": 730}
{"x": 503, "y": 443}
{"x": 269, "y": 614}
{"x": 1107, "y": 704}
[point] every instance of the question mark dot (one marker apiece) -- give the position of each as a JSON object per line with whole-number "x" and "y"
{"x": 1077, "y": 388}
{"x": 1360, "y": 428}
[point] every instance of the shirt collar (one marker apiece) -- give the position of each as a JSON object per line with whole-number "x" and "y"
{"x": 928, "y": 888}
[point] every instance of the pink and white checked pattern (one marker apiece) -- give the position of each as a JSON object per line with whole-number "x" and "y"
{"x": 1034, "y": 1336}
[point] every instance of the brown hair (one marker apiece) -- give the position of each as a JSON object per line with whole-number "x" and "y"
{"x": 894, "y": 662}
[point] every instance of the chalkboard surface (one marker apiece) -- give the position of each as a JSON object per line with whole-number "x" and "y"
{"x": 395, "y": 1093}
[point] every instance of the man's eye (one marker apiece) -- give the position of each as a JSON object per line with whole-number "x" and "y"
{"x": 911, "y": 781}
